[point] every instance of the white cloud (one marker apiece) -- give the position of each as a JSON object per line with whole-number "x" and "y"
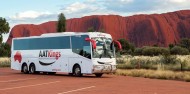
{"x": 133, "y": 7}
{"x": 177, "y": 1}
{"x": 29, "y": 17}
{"x": 126, "y": 1}
{"x": 75, "y": 7}
{"x": 79, "y": 7}
{"x": 29, "y": 14}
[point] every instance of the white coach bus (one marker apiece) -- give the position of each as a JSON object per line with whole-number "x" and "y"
{"x": 68, "y": 52}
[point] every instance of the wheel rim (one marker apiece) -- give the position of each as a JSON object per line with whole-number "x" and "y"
{"x": 77, "y": 71}
{"x": 32, "y": 69}
{"x": 25, "y": 69}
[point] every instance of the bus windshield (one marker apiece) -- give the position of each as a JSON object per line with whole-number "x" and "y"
{"x": 104, "y": 48}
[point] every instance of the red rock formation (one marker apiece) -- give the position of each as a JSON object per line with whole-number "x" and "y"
{"x": 155, "y": 29}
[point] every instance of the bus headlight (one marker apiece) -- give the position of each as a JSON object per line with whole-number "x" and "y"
{"x": 98, "y": 67}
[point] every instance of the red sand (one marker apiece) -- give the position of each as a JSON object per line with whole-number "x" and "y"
{"x": 14, "y": 82}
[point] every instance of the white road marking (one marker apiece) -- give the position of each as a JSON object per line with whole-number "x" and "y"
{"x": 76, "y": 90}
{"x": 29, "y": 86}
{"x": 16, "y": 80}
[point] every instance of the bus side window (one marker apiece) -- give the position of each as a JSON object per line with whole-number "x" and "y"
{"x": 80, "y": 46}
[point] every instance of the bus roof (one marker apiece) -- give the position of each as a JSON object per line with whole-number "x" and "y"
{"x": 91, "y": 34}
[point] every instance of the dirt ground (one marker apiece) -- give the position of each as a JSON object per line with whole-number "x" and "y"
{"x": 14, "y": 82}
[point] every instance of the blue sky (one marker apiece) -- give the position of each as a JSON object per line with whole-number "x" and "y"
{"x": 39, "y": 11}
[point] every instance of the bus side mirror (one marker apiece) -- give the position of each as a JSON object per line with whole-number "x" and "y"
{"x": 92, "y": 41}
{"x": 118, "y": 44}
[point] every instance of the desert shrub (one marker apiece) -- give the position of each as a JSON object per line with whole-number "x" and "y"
{"x": 120, "y": 61}
{"x": 164, "y": 51}
{"x": 183, "y": 65}
{"x": 148, "y": 51}
{"x": 143, "y": 64}
{"x": 138, "y": 51}
{"x": 161, "y": 62}
{"x": 155, "y": 51}
{"x": 177, "y": 50}
{"x": 124, "y": 66}
{"x": 127, "y": 47}
{"x": 5, "y": 62}
{"x": 156, "y": 74}
{"x": 169, "y": 59}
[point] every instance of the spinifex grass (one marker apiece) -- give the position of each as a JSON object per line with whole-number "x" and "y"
{"x": 156, "y": 74}
{"x": 5, "y": 62}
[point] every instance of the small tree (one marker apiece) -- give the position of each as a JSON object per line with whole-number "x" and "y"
{"x": 171, "y": 46}
{"x": 61, "y": 25}
{"x": 185, "y": 43}
{"x": 5, "y": 50}
{"x": 4, "y": 28}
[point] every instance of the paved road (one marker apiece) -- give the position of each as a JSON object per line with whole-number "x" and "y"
{"x": 14, "y": 82}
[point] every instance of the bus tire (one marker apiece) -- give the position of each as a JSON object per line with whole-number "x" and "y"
{"x": 77, "y": 71}
{"x": 25, "y": 68}
{"x": 70, "y": 74}
{"x": 32, "y": 68}
{"x": 99, "y": 74}
{"x": 51, "y": 73}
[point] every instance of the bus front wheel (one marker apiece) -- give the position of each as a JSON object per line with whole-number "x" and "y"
{"x": 99, "y": 74}
{"x": 77, "y": 71}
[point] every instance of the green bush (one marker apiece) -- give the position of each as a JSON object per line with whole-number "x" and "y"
{"x": 127, "y": 47}
{"x": 155, "y": 51}
{"x": 177, "y": 50}
{"x": 138, "y": 51}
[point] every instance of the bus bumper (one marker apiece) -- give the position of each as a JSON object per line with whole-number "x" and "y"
{"x": 104, "y": 69}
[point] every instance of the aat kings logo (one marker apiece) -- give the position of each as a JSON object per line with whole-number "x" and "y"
{"x": 18, "y": 56}
{"x": 50, "y": 55}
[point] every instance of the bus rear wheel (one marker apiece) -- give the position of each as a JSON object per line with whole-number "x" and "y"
{"x": 25, "y": 68}
{"x": 99, "y": 74}
{"x": 77, "y": 71}
{"x": 32, "y": 69}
